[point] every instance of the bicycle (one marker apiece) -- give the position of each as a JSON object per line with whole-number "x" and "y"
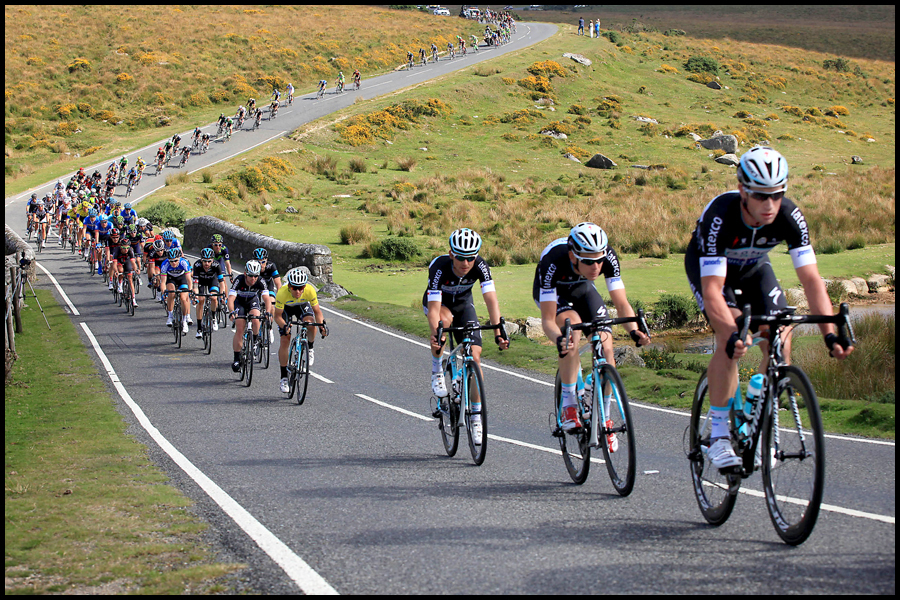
{"x": 320, "y": 93}
{"x": 184, "y": 159}
{"x": 129, "y": 187}
{"x": 610, "y": 427}
{"x": 262, "y": 351}
{"x": 178, "y": 315}
{"x": 247, "y": 349}
{"x": 40, "y": 237}
{"x": 206, "y": 321}
{"x": 792, "y": 452}
{"x": 127, "y": 295}
{"x": 298, "y": 359}
{"x": 465, "y": 393}
{"x": 159, "y": 166}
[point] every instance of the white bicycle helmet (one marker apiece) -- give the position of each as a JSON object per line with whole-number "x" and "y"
{"x": 763, "y": 169}
{"x": 297, "y": 277}
{"x": 587, "y": 237}
{"x": 253, "y": 268}
{"x": 465, "y": 242}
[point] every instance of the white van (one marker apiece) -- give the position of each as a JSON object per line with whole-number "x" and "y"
{"x": 442, "y": 11}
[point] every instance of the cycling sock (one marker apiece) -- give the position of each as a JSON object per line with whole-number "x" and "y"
{"x": 237, "y": 356}
{"x": 568, "y": 395}
{"x": 283, "y": 372}
{"x": 435, "y": 364}
{"x": 718, "y": 416}
{"x": 607, "y": 402}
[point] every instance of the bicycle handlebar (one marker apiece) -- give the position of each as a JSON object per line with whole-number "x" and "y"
{"x": 591, "y": 326}
{"x": 472, "y": 326}
{"x": 842, "y": 320}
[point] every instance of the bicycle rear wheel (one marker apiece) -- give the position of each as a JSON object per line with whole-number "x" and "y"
{"x": 575, "y": 445}
{"x": 793, "y": 457}
{"x": 475, "y": 388}
{"x": 620, "y": 463}
{"x": 449, "y": 420}
{"x": 716, "y": 493}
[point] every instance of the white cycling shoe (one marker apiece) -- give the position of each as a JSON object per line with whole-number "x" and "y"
{"x": 438, "y": 386}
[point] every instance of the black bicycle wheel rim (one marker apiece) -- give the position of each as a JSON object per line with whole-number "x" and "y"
{"x": 715, "y": 496}
{"x": 207, "y": 327}
{"x": 449, "y": 422}
{"x": 176, "y": 321}
{"x": 475, "y": 388}
{"x": 788, "y": 478}
{"x": 622, "y": 463}
{"x": 248, "y": 345}
{"x": 575, "y": 445}
{"x": 302, "y": 373}
{"x": 266, "y": 345}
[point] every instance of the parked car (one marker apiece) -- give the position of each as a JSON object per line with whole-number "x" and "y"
{"x": 442, "y": 11}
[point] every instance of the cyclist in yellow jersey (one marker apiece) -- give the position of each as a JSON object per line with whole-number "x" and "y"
{"x": 296, "y": 297}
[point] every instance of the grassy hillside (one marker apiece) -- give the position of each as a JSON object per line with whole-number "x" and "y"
{"x": 126, "y": 71}
{"x": 853, "y": 31}
{"x": 410, "y": 167}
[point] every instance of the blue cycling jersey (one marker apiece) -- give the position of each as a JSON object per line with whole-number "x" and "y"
{"x": 91, "y": 223}
{"x": 180, "y": 267}
{"x": 104, "y": 227}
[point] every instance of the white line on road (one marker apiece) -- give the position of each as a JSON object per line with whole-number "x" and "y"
{"x": 59, "y": 289}
{"x": 301, "y": 573}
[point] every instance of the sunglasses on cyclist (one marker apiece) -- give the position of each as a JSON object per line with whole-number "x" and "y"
{"x": 297, "y": 287}
{"x": 762, "y": 196}
{"x": 590, "y": 261}
{"x": 465, "y": 258}
{"x": 219, "y": 245}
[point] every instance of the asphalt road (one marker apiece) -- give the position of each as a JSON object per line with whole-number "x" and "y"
{"x": 359, "y": 497}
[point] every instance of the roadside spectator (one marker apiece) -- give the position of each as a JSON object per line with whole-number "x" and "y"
{"x": 581, "y": 26}
{"x": 597, "y": 28}
{"x": 591, "y": 27}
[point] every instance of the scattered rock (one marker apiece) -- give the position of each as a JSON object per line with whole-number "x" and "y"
{"x": 578, "y": 58}
{"x": 714, "y": 85}
{"x": 533, "y": 329}
{"x": 862, "y": 288}
{"x": 555, "y": 135}
{"x": 627, "y": 355}
{"x": 646, "y": 120}
{"x": 728, "y": 143}
{"x": 728, "y": 159}
{"x": 849, "y": 287}
{"x": 598, "y": 161}
{"x": 267, "y": 206}
{"x": 856, "y": 160}
{"x": 511, "y": 328}
{"x": 879, "y": 283}
{"x": 291, "y": 210}
{"x": 571, "y": 157}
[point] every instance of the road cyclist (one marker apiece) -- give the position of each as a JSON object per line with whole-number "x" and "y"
{"x": 728, "y": 256}
{"x": 357, "y": 78}
{"x": 243, "y": 305}
{"x": 272, "y": 280}
{"x": 207, "y": 284}
{"x": 297, "y": 298}
{"x": 290, "y": 93}
{"x": 176, "y": 278}
{"x": 448, "y": 300}
{"x": 124, "y": 270}
{"x": 564, "y": 290}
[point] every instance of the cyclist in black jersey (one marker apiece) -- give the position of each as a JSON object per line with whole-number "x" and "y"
{"x": 564, "y": 289}
{"x": 728, "y": 256}
{"x": 244, "y": 300}
{"x": 448, "y": 298}
{"x": 207, "y": 279}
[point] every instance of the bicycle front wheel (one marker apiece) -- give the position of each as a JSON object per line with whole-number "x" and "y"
{"x": 475, "y": 390}
{"x": 716, "y": 493}
{"x": 575, "y": 445}
{"x": 176, "y": 321}
{"x": 793, "y": 457}
{"x": 247, "y": 353}
{"x": 302, "y": 371}
{"x": 207, "y": 327}
{"x": 617, "y": 434}
{"x": 449, "y": 419}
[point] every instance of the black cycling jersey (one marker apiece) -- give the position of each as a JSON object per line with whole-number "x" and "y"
{"x": 442, "y": 280}
{"x": 726, "y": 246}
{"x": 208, "y": 277}
{"x": 245, "y": 292}
{"x": 555, "y": 277}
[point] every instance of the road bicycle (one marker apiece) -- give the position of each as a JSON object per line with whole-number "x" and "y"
{"x": 126, "y": 297}
{"x": 780, "y": 434}
{"x": 465, "y": 393}
{"x": 262, "y": 350}
{"x": 320, "y": 93}
{"x": 247, "y": 349}
{"x": 40, "y": 237}
{"x": 604, "y": 411}
{"x": 184, "y": 159}
{"x": 206, "y": 320}
{"x": 356, "y": 82}
{"x": 129, "y": 187}
{"x": 298, "y": 358}
{"x": 177, "y": 313}
{"x": 159, "y": 166}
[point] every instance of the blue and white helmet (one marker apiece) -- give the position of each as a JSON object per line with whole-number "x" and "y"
{"x": 763, "y": 169}
{"x": 587, "y": 237}
{"x": 465, "y": 242}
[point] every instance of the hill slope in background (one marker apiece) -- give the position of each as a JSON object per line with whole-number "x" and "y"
{"x": 857, "y": 31}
